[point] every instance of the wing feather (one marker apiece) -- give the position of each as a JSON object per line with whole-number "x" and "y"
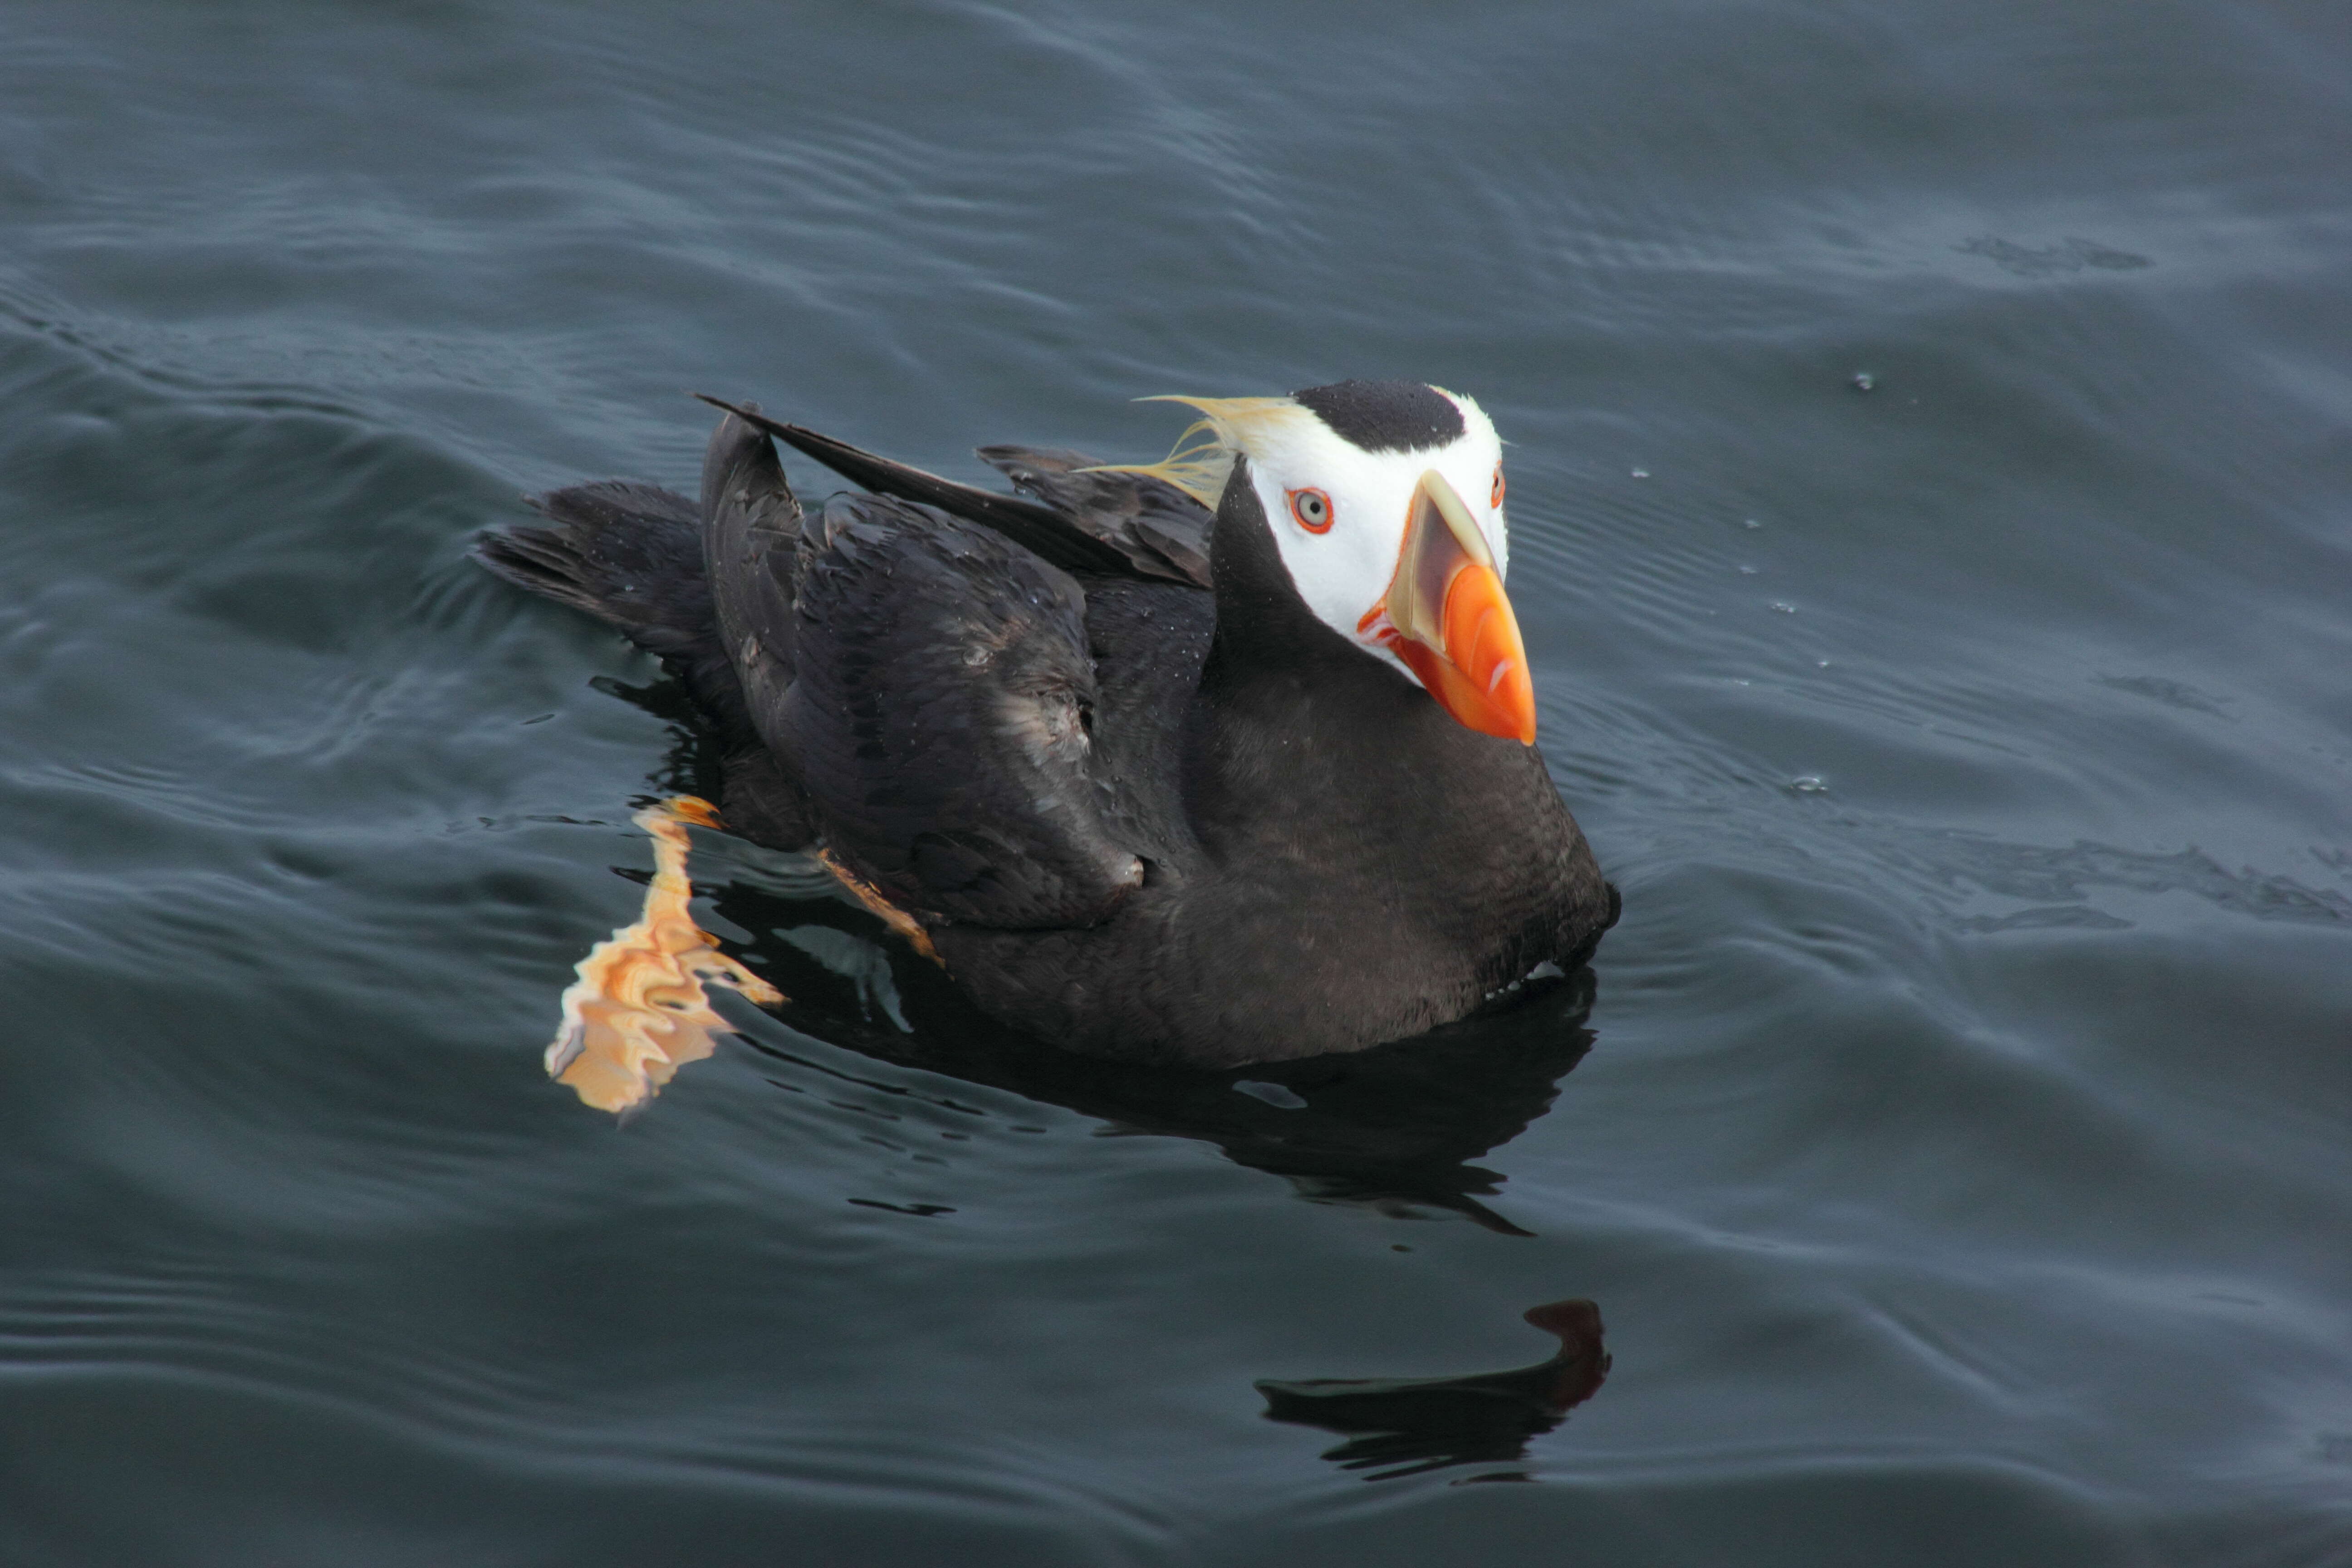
{"x": 1162, "y": 532}
{"x": 1083, "y": 518}
{"x": 942, "y": 718}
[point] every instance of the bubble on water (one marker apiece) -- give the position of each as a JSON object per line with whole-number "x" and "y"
{"x": 1863, "y": 381}
{"x": 1641, "y": 473}
{"x": 1820, "y": 664}
{"x": 1809, "y": 783}
{"x": 1784, "y": 607}
{"x": 1750, "y": 522}
{"x": 1748, "y": 570}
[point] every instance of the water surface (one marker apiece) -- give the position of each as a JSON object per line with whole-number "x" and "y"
{"x": 1929, "y": 485}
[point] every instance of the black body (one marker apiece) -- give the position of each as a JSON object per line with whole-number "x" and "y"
{"x": 1148, "y": 806}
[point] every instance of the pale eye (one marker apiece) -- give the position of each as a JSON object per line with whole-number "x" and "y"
{"x": 1313, "y": 511}
{"x": 1497, "y": 501}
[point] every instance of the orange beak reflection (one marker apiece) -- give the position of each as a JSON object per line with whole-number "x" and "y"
{"x": 1445, "y": 615}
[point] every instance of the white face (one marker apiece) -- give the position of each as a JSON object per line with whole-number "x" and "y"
{"x": 1339, "y": 512}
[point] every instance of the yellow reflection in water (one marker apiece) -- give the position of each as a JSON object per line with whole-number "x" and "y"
{"x": 639, "y": 1012}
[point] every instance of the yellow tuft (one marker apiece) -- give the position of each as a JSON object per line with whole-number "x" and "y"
{"x": 1202, "y": 458}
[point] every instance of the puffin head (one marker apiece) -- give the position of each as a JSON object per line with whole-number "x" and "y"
{"x": 1385, "y": 499}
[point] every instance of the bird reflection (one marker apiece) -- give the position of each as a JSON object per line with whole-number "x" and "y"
{"x": 1395, "y": 1128}
{"x": 1405, "y": 1426}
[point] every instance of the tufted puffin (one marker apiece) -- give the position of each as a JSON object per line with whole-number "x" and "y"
{"x": 1225, "y": 758}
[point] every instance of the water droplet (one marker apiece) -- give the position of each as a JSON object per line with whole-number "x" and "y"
{"x": 1820, "y": 664}
{"x": 1641, "y": 473}
{"x": 1784, "y": 607}
{"x": 1809, "y": 783}
{"x": 1863, "y": 381}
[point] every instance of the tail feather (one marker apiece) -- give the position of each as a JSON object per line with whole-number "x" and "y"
{"x": 634, "y": 556}
{"x": 628, "y": 553}
{"x": 631, "y": 555}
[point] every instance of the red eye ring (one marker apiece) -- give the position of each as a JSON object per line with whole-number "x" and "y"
{"x": 1497, "y": 501}
{"x": 1312, "y": 510}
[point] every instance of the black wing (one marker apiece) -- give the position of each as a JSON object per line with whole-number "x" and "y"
{"x": 1104, "y": 522}
{"x": 1163, "y": 532}
{"x": 942, "y": 718}
{"x": 750, "y": 534}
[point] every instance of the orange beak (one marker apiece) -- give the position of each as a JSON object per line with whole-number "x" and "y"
{"x": 1445, "y": 614}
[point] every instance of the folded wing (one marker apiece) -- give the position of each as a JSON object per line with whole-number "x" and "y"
{"x": 941, "y": 718}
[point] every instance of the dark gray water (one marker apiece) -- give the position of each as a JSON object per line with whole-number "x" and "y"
{"x": 1959, "y": 1160}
